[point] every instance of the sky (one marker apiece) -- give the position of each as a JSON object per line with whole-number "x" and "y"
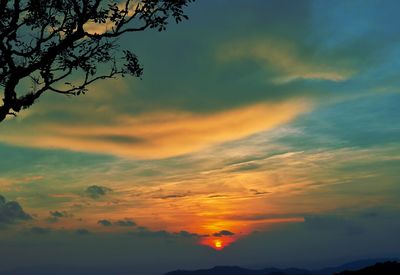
{"x": 262, "y": 133}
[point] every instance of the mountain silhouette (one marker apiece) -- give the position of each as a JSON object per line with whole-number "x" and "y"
{"x": 386, "y": 268}
{"x": 235, "y": 270}
{"x": 364, "y": 267}
{"x": 354, "y": 265}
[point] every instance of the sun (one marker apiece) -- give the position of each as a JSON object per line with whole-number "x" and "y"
{"x": 218, "y": 244}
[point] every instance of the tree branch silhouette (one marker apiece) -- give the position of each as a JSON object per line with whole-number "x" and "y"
{"x": 49, "y": 44}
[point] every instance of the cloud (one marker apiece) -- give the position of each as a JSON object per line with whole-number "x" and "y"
{"x": 159, "y": 134}
{"x": 267, "y": 218}
{"x": 96, "y": 191}
{"x": 223, "y": 233}
{"x": 145, "y": 232}
{"x": 257, "y": 192}
{"x": 186, "y": 234}
{"x": 125, "y": 223}
{"x": 173, "y": 196}
{"x": 56, "y": 215}
{"x": 284, "y": 58}
{"x": 105, "y": 223}
{"x": 11, "y": 211}
{"x": 122, "y": 223}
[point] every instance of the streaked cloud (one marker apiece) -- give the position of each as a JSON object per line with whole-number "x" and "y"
{"x": 160, "y": 134}
{"x": 286, "y": 59}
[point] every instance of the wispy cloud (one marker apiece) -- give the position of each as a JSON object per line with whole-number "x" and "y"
{"x": 159, "y": 134}
{"x": 286, "y": 59}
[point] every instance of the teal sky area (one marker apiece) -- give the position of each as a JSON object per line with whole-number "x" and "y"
{"x": 270, "y": 126}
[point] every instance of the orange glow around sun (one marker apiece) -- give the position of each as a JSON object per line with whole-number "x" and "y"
{"x": 217, "y": 243}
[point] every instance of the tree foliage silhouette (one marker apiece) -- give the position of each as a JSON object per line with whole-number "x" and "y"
{"x": 46, "y": 45}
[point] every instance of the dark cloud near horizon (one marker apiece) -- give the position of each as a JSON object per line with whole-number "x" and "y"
{"x": 105, "y": 222}
{"x": 58, "y": 214}
{"x": 223, "y": 233}
{"x": 11, "y": 211}
{"x": 122, "y": 223}
{"x": 125, "y": 223}
{"x": 55, "y": 216}
{"x": 145, "y": 232}
{"x": 186, "y": 234}
{"x": 96, "y": 191}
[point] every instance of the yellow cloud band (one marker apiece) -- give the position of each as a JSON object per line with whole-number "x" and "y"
{"x": 158, "y": 135}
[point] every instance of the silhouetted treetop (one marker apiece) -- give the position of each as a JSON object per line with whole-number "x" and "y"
{"x": 58, "y": 45}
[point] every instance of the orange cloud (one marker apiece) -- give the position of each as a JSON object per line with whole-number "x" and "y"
{"x": 158, "y": 135}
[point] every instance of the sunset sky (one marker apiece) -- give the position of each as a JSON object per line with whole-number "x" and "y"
{"x": 262, "y": 133}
